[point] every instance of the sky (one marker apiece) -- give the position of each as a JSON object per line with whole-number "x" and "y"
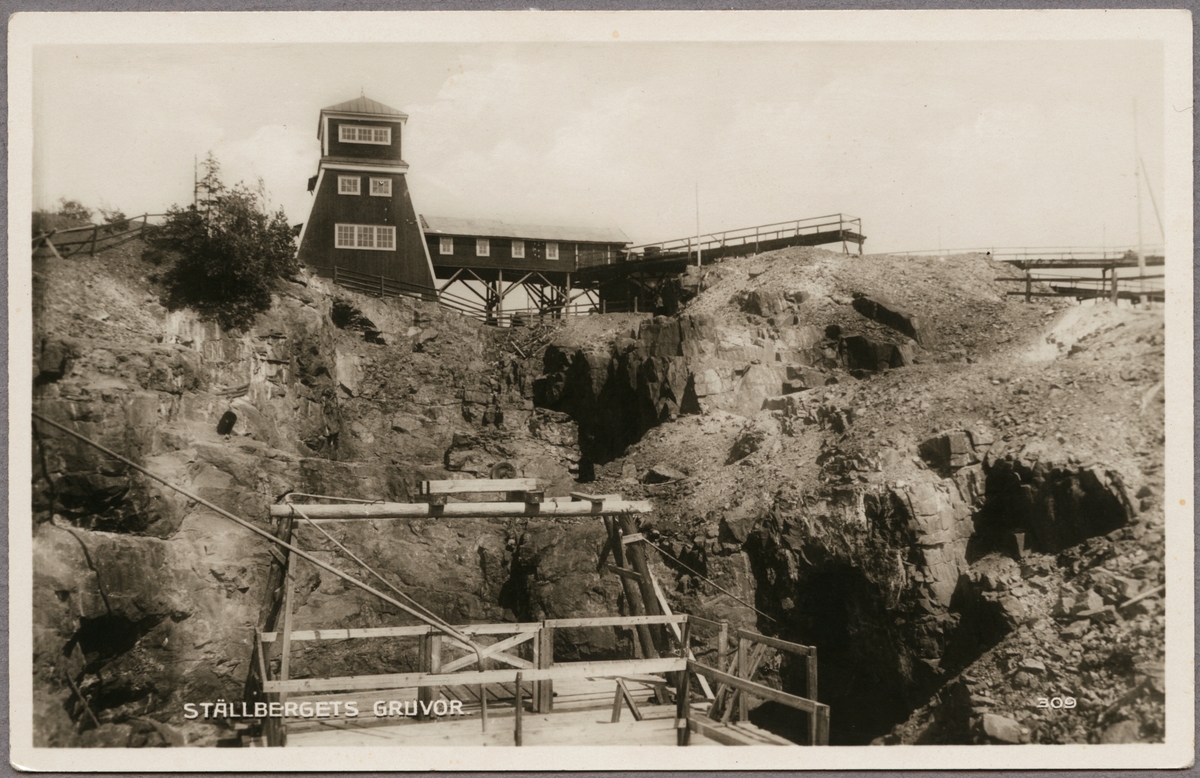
{"x": 932, "y": 144}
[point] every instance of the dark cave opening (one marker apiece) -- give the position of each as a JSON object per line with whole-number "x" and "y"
{"x": 858, "y": 666}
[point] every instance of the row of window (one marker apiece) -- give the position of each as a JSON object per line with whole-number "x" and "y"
{"x": 483, "y": 248}
{"x": 365, "y": 236}
{"x": 352, "y": 185}
{"x": 378, "y": 136}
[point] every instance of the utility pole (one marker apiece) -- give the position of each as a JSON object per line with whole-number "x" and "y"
{"x": 1137, "y": 182}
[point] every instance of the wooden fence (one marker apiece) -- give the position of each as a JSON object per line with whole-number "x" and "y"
{"x": 93, "y": 237}
{"x": 449, "y": 669}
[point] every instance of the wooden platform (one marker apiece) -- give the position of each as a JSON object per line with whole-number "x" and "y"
{"x": 590, "y": 726}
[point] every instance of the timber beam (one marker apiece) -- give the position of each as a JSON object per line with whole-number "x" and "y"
{"x": 407, "y": 510}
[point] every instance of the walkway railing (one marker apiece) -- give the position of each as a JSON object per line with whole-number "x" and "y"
{"x": 94, "y": 237}
{"x": 849, "y": 227}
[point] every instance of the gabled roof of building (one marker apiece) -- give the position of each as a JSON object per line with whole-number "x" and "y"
{"x": 495, "y": 228}
{"x": 365, "y": 105}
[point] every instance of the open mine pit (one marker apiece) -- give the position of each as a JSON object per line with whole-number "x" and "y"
{"x": 881, "y": 501}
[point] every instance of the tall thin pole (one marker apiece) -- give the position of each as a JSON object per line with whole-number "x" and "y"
{"x": 195, "y": 180}
{"x": 697, "y": 224}
{"x": 1137, "y": 181}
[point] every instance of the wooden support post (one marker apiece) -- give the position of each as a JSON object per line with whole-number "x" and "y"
{"x": 1115, "y": 285}
{"x": 95, "y": 234}
{"x": 618, "y": 703}
{"x": 1028, "y": 286}
{"x": 744, "y": 672}
{"x": 683, "y": 707}
{"x": 381, "y": 285}
{"x": 423, "y": 693}
{"x": 722, "y": 644}
{"x": 811, "y": 673}
{"x": 335, "y": 274}
{"x": 822, "y": 738}
{"x": 483, "y": 705}
{"x": 636, "y": 556}
{"x": 535, "y": 701}
{"x": 684, "y": 681}
{"x": 520, "y": 709}
{"x": 286, "y": 643}
{"x": 545, "y": 662}
{"x": 499, "y": 297}
{"x": 643, "y": 639}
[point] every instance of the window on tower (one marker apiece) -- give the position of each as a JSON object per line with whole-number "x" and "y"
{"x": 365, "y": 236}
{"x": 379, "y": 136}
{"x": 348, "y": 185}
{"x": 518, "y": 249}
{"x": 381, "y": 187}
{"x": 446, "y": 246}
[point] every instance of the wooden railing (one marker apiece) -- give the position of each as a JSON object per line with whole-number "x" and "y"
{"x": 849, "y": 227}
{"x": 527, "y": 649}
{"x": 735, "y": 686}
{"x": 93, "y": 237}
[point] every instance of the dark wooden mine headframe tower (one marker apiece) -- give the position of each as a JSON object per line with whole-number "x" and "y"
{"x": 363, "y": 228}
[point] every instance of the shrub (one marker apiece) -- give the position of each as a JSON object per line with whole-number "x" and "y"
{"x": 70, "y": 213}
{"x": 115, "y": 220}
{"x": 231, "y": 251}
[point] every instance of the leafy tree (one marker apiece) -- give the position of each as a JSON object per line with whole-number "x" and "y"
{"x": 73, "y": 209}
{"x": 70, "y": 213}
{"x": 230, "y": 251}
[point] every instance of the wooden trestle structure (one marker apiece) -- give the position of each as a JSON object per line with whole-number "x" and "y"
{"x": 501, "y": 684}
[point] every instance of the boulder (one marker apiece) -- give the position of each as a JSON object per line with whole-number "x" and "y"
{"x": 862, "y": 353}
{"x": 763, "y": 302}
{"x": 1127, "y": 731}
{"x": 880, "y": 309}
{"x": 661, "y": 474}
{"x": 1001, "y": 729}
{"x": 948, "y": 451}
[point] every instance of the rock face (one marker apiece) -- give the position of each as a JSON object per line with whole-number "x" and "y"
{"x": 690, "y": 364}
{"x": 144, "y": 600}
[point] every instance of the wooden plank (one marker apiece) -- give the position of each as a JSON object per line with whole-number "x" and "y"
{"x": 412, "y": 630}
{"x": 603, "y": 669}
{"x": 417, "y": 510}
{"x": 623, "y": 572}
{"x": 520, "y": 705}
{"x": 740, "y": 735}
{"x": 545, "y": 654}
{"x": 683, "y": 708}
{"x": 480, "y": 485}
{"x": 755, "y": 689}
{"x": 492, "y": 651}
{"x": 705, "y": 622}
{"x": 782, "y": 645}
{"x": 675, "y": 629}
{"x": 616, "y": 621}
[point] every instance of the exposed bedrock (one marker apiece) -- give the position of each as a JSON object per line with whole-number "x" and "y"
{"x": 690, "y": 364}
{"x": 881, "y": 578}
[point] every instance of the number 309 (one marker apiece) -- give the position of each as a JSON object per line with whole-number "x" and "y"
{"x": 1056, "y": 702}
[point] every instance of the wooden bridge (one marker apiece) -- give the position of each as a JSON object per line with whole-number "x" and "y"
{"x": 1113, "y": 282}
{"x": 501, "y": 684}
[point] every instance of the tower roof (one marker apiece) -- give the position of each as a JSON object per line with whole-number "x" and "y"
{"x": 365, "y": 105}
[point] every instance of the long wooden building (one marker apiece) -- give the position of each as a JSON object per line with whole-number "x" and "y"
{"x": 363, "y": 224}
{"x": 488, "y": 261}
